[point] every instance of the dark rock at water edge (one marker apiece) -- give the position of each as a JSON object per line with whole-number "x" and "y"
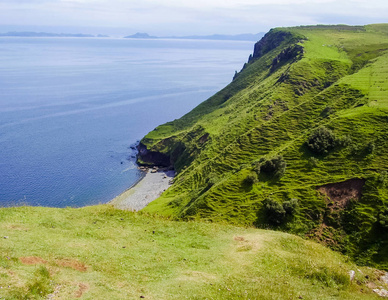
{"x": 146, "y": 157}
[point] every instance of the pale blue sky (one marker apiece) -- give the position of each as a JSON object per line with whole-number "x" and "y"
{"x": 177, "y": 17}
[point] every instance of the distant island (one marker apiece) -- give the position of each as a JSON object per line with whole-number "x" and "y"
{"x": 220, "y": 37}
{"x": 140, "y": 35}
{"x": 47, "y": 34}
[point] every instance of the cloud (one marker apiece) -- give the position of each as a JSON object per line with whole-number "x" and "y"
{"x": 189, "y": 17}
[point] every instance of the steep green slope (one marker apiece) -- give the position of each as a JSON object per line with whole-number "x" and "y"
{"x": 298, "y": 141}
{"x": 104, "y": 253}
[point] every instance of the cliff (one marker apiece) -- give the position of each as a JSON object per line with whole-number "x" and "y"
{"x": 296, "y": 142}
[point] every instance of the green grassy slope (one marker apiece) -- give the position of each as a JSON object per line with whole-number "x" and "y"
{"x": 103, "y": 253}
{"x": 297, "y": 80}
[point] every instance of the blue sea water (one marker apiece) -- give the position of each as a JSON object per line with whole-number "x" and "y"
{"x": 70, "y": 108}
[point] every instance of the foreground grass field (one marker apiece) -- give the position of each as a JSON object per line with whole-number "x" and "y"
{"x": 103, "y": 253}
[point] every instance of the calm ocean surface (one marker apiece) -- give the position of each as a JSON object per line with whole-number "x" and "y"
{"x": 71, "y": 108}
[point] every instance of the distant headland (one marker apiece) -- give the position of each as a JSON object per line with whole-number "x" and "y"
{"x": 139, "y": 35}
{"x": 220, "y": 37}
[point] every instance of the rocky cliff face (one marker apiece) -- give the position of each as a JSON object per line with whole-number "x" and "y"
{"x": 270, "y": 41}
{"x": 175, "y": 152}
{"x": 152, "y": 158}
{"x": 273, "y": 39}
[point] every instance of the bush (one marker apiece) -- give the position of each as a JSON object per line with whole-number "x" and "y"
{"x": 313, "y": 162}
{"x": 327, "y": 111}
{"x": 275, "y": 166}
{"x": 277, "y": 213}
{"x": 291, "y": 206}
{"x": 321, "y": 140}
{"x": 274, "y": 211}
{"x": 370, "y": 148}
{"x": 355, "y": 149}
{"x": 344, "y": 141}
{"x": 251, "y": 178}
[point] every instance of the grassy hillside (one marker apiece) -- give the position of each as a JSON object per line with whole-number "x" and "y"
{"x": 103, "y": 253}
{"x": 298, "y": 142}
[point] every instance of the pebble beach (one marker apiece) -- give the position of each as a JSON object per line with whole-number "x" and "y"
{"x": 149, "y": 188}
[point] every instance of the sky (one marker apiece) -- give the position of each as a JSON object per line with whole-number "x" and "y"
{"x": 182, "y": 17}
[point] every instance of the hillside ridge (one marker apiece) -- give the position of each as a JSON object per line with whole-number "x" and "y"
{"x": 308, "y": 109}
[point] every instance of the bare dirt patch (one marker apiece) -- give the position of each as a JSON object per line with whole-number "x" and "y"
{"x": 82, "y": 288}
{"x": 339, "y": 194}
{"x": 67, "y": 263}
{"x": 32, "y": 260}
{"x": 71, "y": 263}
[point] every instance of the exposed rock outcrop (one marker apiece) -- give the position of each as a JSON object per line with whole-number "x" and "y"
{"x": 292, "y": 52}
{"x": 272, "y": 40}
{"x": 147, "y": 157}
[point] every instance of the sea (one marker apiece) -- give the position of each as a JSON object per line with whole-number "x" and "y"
{"x": 71, "y": 109}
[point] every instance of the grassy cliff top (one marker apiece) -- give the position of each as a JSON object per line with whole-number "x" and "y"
{"x": 353, "y": 46}
{"x": 103, "y": 253}
{"x": 297, "y": 141}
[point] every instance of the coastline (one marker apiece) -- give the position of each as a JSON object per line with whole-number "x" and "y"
{"x": 148, "y": 188}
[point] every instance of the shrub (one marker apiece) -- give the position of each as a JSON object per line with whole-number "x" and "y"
{"x": 370, "y": 148}
{"x": 327, "y": 111}
{"x": 251, "y": 178}
{"x": 275, "y": 166}
{"x": 291, "y": 206}
{"x": 313, "y": 162}
{"x": 354, "y": 149}
{"x": 321, "y": 140}
{"x": 275, "y": 212}
{"x": 344, "y": 141}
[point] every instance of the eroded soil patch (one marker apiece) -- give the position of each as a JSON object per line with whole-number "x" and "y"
{"x": 32, "y": 260}
{"x": 339, "y": 194}
{"x": 65, "y": 262}
{"x": 71, "y": 263}
{"x": 82, "y": 288}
